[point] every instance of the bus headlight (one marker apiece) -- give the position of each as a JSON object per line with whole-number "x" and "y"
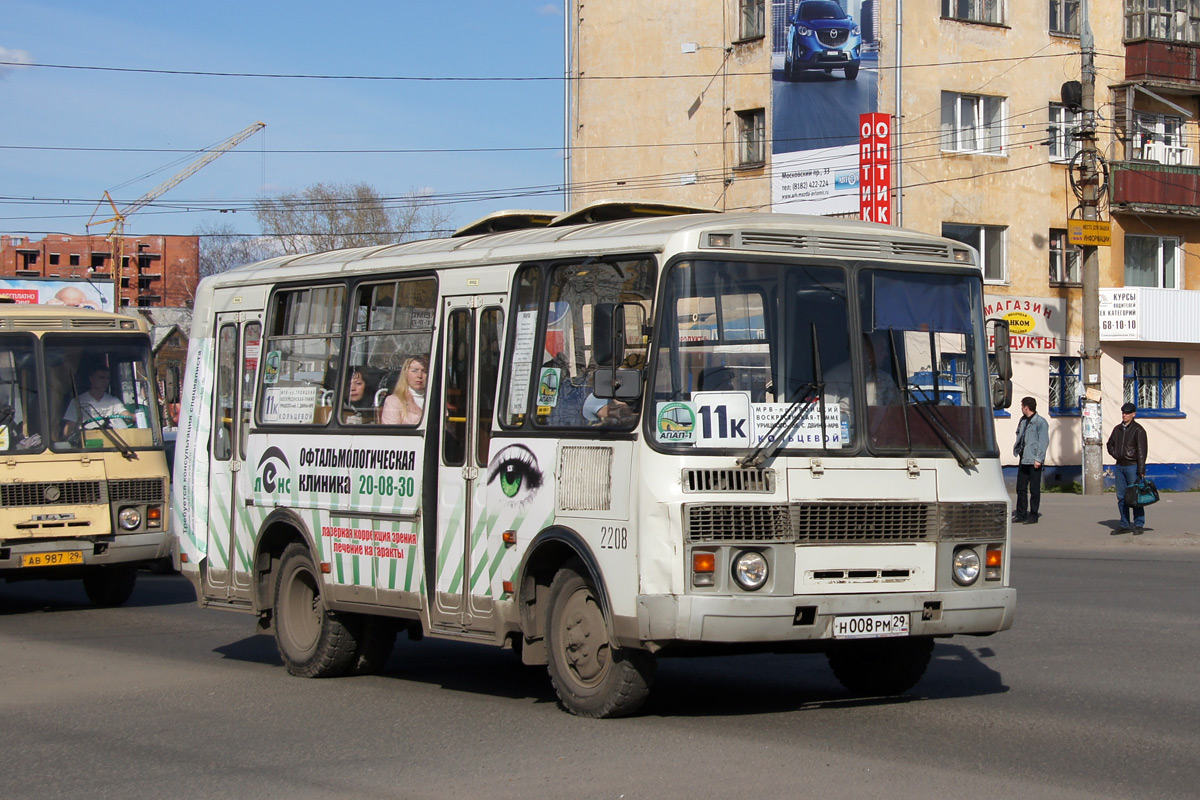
{"x": 966, "y": 566}
{"x": 129, "y": 518}
{"x": 750, "y": 570}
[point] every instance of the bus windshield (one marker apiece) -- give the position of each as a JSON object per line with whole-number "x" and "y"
{"x": 761, "y": 355}
{"x": 98, "y": 394}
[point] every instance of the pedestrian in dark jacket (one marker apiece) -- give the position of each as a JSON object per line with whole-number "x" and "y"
{"x": 1127, "y": 446}
{"x": 1033, "y": 436}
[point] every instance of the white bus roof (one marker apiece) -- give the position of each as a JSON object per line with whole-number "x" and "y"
{"x": 750, "y": 232}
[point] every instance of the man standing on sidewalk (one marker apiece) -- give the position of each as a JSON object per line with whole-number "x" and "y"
{"x": 1127, "y": 445}
{"x": 1033, "y": 436}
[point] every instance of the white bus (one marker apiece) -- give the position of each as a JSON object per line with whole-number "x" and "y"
{"x": 599, "y": 438}
{"x": 83, "y": 475}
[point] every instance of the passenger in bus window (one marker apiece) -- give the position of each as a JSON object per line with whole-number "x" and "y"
{"x": 406, "y": 403}
{"x": 95, "y": 408}
{"x": 357, "y": 407}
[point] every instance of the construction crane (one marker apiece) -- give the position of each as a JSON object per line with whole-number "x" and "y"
{"x": 117, "y": 234}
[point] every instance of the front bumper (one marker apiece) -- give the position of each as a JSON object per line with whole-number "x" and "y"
{"x": 120, "y": 549}
{"x": 744, "y": 620}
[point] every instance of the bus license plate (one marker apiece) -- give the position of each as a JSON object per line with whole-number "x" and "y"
{"x": 52, "y": 559}
{"x": 872, "y": 626}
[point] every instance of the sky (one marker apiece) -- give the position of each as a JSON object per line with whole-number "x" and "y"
{"x": 61, "y": 126}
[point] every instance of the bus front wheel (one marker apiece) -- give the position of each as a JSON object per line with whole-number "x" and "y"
{"x": 313, "y": 641}
{"x": 591, "y": 676}
{"x": 880, "y": 666}
{"x": 108, "y": 587}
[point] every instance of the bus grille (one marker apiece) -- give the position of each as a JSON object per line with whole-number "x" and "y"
{"x": 52, "y": 493}
{"x": 843, "y": 522}
{"x": 138, "y": 490}
{"x": 729, "y": 480}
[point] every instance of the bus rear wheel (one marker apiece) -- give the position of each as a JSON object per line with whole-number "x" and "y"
{"x": 881, "y": 666}
{"x": 108, "y": 587}
{"x": 591, "y": 676}
{"x": 313, "y": 641}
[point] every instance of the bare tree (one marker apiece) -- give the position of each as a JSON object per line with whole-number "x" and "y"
{"x": 328, "y": 216}
{"x": 222, "y": 248}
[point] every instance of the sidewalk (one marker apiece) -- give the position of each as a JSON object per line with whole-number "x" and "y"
{"x": 1075, "y": 520}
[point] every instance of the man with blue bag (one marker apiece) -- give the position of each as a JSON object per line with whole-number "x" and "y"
{"x": 1127, "y": 446}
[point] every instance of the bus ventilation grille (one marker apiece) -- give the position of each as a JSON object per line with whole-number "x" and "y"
{"x": 139, "y": 490}
{"x": 729, "y": 480}
{"x": 52, "y": 493}
{"x": 812, "y": 523}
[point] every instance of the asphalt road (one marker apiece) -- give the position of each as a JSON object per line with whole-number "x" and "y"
{"x": 1091, "y": 695}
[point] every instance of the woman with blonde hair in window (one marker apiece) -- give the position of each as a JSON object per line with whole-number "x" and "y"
{"x": 406, "y": 404}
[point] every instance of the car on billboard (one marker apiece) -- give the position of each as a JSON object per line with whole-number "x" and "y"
{"x": 821, "y": 35}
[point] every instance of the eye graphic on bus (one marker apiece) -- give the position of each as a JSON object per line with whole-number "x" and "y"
{"x": 516, "y": 472}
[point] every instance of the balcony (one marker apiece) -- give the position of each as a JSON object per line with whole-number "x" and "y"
{"x": 1168, "y": 65}
{"x": 1146, "y": 314}
{"x": 1147, "y": 187}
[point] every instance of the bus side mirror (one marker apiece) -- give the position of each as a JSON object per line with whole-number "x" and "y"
{"x": 608, "y": 334}
{"x": 1002, "y": 389}
{"x": 623, "y": 383}
{"x": 171, "y": 389}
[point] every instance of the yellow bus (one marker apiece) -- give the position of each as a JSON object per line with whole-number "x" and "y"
{"x": 83, "y": 473}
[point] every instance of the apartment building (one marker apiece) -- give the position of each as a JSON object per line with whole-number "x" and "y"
{"x": 754, "y": 104}
{"x": 155, "y": 271}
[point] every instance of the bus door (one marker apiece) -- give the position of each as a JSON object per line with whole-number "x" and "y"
{"x": 230, "y": 538}
{"x": 471, "y": 336}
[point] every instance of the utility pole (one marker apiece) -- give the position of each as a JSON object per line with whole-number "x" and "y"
{"x": 1089, "y": 182}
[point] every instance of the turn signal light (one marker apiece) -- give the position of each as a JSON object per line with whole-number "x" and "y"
{"x": 506, "y": 587}
{"x": 993, "y": 562}
{"x": 326, "y": 568}
{"x": 703, "y": 567}
{"x": 153, "y": 517}
{"x": 509, "y": 538}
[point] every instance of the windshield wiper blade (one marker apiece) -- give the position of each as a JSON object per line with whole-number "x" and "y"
{"x": 954, "y": 443}
{"x": 772, "y": 441}
{"x": 111, "y": 433}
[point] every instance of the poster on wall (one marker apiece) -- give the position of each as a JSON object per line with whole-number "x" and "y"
{"x": 825, "y": 68}
{"x": 97, "y": 295}
{"x": 1035, "y": 324}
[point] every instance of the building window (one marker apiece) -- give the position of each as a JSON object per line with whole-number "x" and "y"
{"x": 1063, "y": 124}
{"x": 1152, "y": 384}
{"x": 98, "y": 260}
{"x": 54, "y": 259}
{"x": 972, "y": 123}
{"x": 1159, "y": 20}
{"x": 1064, "y": 17}
{"x": 988, "y": 240}
{"x": 1065, "y": 258}
{"x": 1159, "y": 137}
{"x": 752, "y": 137}
{"x": 1152, "y": 261}
{"x": 752, "y": 19}
{"x": 974, "y": 10}
{"x": 1066, "y": 386}
{"x": 73, "y": 258}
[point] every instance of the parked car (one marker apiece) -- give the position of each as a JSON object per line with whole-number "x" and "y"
{"x": 821, "y": 35}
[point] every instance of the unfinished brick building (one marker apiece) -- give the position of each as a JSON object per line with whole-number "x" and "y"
{"x": 156, "y": 271}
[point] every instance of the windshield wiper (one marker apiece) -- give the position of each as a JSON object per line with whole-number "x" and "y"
{"x": 954, "y": 443}
{"x": 111, "y": 433}
{"x": 772, "y": 440}
{"x": 814, "y": 392}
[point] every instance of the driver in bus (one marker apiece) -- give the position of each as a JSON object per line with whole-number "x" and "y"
{"x": 99, "y": 408}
